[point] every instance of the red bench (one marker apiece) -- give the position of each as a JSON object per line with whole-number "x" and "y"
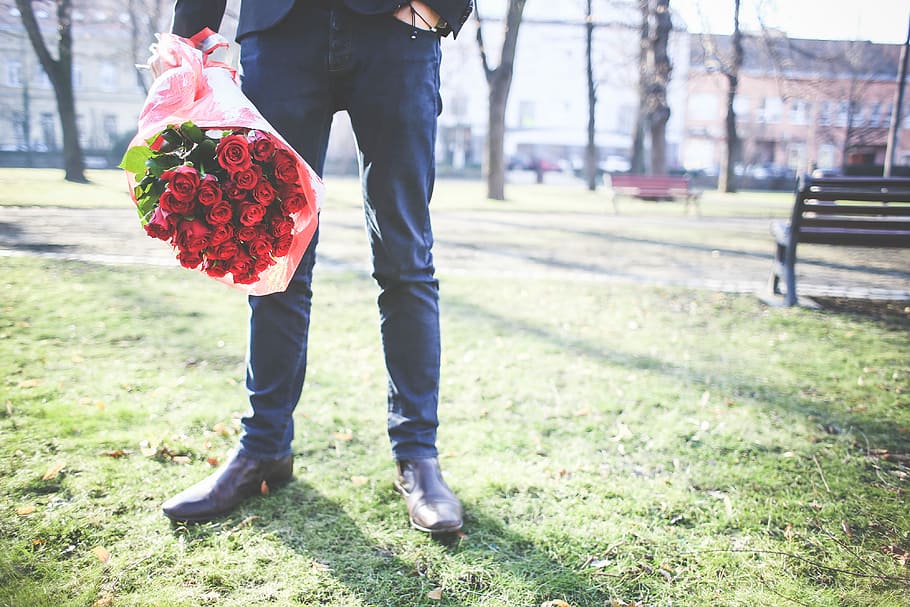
{"x": 653, "y": 187}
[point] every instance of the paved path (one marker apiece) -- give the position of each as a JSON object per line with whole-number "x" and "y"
{"x": 663, "y": 250}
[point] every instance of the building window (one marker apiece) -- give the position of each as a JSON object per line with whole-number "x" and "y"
{"x": 703, "y": 106}
{"x": 799, "y": 112}
{"x": 742, "y": 105}
{"x": 108, "y": 77}
{"x": 526, "y": 114}
{"x": 843, "y": 112}
{"x": 875, "y": 114}
{"x": 796, "y": 156}
{"x": 770, "y": 110}
{"x": 109, "y": 124}
{"x": 13, "y": 72}
{"x": 825, "y": 114}
{"x": 827, "y": 156}
{"x": 48, "y": 132}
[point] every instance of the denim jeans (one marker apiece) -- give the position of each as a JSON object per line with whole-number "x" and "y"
{"x": 319, "y": 60}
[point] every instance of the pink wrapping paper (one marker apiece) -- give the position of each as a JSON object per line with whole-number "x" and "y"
{"x": 192, "y": 86}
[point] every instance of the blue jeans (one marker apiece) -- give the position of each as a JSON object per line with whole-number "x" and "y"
{"x": 319, "y": 60}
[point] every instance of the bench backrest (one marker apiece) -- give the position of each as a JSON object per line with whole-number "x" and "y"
{"x": 650, "y": 185}
{"x": 860, "y": 211}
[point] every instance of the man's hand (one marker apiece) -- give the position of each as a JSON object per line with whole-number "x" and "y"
{"x": 425, "y": 19}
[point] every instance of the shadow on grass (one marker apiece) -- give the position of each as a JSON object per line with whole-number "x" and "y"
{"x": 881, "y": 432}
{"x": 637, "y": 241}
{"x": 488, "y": 560}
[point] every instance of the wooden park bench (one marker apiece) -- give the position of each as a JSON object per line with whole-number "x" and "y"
{"x": 653, "y": 187}
{"x": 848, "y": 211}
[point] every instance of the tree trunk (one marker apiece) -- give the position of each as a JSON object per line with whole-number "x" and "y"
{"x": 637, "y": 162}
{"x": 495, "y": 165}
{"x": 726, "y": 181}
{"x": 60, "y": 72}
{"x": 659, "y": 109}
{"x": 591, "y": 155}
{"x": 500, "y": 83}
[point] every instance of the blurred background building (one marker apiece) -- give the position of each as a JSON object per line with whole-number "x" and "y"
{"x": 802, "y": 104}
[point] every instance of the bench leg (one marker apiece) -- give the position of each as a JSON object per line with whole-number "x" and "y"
{"x": 790, "y": 271}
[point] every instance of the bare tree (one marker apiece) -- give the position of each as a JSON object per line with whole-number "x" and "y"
{"x": 499, "y": 80}
{"x": 654, "y": 75}
{"x": 60, "y": 73}
{"x": 146, "y": 20}
{"x": 591, "y": 146}
{"x": 726, "y": 181}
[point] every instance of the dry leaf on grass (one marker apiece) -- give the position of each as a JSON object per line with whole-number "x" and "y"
{"x": 555, "y": 603}
{"x": 343, "y": 436}
{"x": 116, "y": 453}
{"x": 264, "y": 488}
{"x": 360, "y": 480}
{"x": 317, "y": 566}
{"x": 101, "y": 553}
{"x": 25, "y": 510}
{"x": 53, "y": 471}
{"x": 435, "y": 594}
{"x": 104, "y": 601}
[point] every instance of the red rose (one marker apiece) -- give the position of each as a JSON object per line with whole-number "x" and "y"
{"x": 247, "y": 233}
{"x": 262, "y": 147}
{"x": 232, "y": 192}
{"x": 215, "y": 268}
{"x": 218, "y": 214}
{"x": 193, "y": 235}
{"x": 263, "y": 263}
{"x": 293, "y": 202}
{"x": 241, "y": 265}
{"x": 233, "y": 154}
{"x": 264, "y": 193}
{"x": 183, "y": 181}
{"x": 209, "y": 192}
{"x": 251, "y": 213}
{"x": 281, "y": 226}
{"x": 285, "y": 166}
{"x": 283, "y": 245}
{"x": 159, "y": 226}
{"x": 260, "y": 246}
{"x": 221, "y": 233}
{"x": 172, "y": 204}
{"x": 224, "y": 251}
{"x": 189, "y": 259}
{"x": 247, "y": 178}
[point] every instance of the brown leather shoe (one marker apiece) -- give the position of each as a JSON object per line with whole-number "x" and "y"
{"x": 241, "y": 477}
{"x": 431, "y": 504}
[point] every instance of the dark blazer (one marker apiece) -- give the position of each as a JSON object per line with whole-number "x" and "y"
{"x": 190, "y": 16}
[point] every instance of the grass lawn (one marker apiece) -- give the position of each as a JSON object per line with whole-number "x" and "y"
{"x": 613, "y": 445}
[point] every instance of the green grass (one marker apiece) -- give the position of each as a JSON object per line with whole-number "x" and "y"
{"x": 658, "y": 446}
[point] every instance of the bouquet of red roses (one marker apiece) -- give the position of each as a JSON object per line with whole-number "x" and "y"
{"x": 212, "y": 178}
{"x": 225, "y": 199}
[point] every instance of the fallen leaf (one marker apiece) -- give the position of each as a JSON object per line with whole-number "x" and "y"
{"x": 104, "y": 601}
{"x": 29, "y": 383}
{"x": 555, "y": 603}
{"x": 343, "y": 436}
{"x": 25, "y": 510}
{"x": 846, "y": 527}
{"x": 181, "y": 459}
{"x": 53, "y": 471}
{"x": 583, "y": 412}
{"x": 212, "y": 461}
{"x": 360, "y": 480}
{"x": 9, "y": 408}
{"x": 101, "y": 553}
{"x": 317, "y": 566}
{"x": 264, "y": 488}
{"x": 897, "y": 553}
{"x": 117, "y": 453}
{"x": 435, "y": 594}
{"x": 220, "y": 428}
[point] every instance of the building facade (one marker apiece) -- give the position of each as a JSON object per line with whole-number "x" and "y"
{"x": 801, "y": 105}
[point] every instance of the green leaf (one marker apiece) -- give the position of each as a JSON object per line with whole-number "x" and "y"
{"x": 203, "y": 155}
{"x": 159, "y": 164}
{"x": 193, "y": 132}
{"x": 135, "y": 158}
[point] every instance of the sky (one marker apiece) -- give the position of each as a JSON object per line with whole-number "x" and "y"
{"x": 876, "y": 20}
